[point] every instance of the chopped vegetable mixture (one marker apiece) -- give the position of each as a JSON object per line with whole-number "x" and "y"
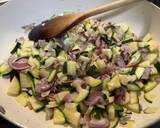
{"x": 90, "y": 77}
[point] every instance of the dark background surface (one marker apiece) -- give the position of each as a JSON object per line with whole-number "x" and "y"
{"x": 6, "y": 124}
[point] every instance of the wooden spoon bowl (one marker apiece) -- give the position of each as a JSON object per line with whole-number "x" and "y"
{"x": 60, "y": 24}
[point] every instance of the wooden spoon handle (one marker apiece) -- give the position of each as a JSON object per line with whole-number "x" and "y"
{"x": 107, "y": 7}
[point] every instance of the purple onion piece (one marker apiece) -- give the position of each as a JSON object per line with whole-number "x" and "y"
{"x": 102, "y": 123}
{"x": 43, "y": 86}
{"x": 84, "y": 84}
{"x": 20, "y": 63}
{"x": 72, "y": 56}
{"x": 49, "y": 53}
{"x": 126, "y": 53}
{"x": 146, "y": 73}
{"x": 67, "y": 98}
{"x": 103, "y": 102}
{"x": 98, "y": 42}
{"x": 119, "y": 95}
{"x": 40, "y": 43}
{"x": 120, "y": 61}
{"x": 108, "y": 70}
{"x": 94, "y": 98}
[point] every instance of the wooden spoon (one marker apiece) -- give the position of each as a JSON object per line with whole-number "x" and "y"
{"x": 58, "y": 25}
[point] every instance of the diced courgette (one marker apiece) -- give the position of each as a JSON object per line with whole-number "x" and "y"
{"x": 44, "y": 72}
{"x": 149, "y": 86}
{"x": 84, "y": 58}
{"x": 133, "y": 97}
{"x": 92, "y": 81}
{"x": 52, "y": 104}
{"x": 35, "y": 52}
{"x": 125, "y": 79}
{"x": 5, "y": 69}
{"x": 92, "y": 71}
{"x": 128, "y": 37}
{"x": 135, "y": 58}
{"x": 126, "y": 70}
{"x": 36, "y": 105}
{"x": 58, "y": 116}
{"x": 133, "y": 107}
{"x": 14, "y": 47}
{"x": 22, "y": 99}
{"x": 133, "y": 46}
{"x": 114, "y": 83}
{"x": 26, "y": 80}
{"x": 107, "y": 52}
{"x": 153, "y": 45}
{"x": 60, "y": 96}
{"x": 150, "y": 110}
{"x": 35, "y": 72}
{"x": 124, "y": 27}
{"x": 83, "y": 93}
{"x": 130, "y": 124}
{"x": 144, "y": 64}
{"x": 111, "y": 112}
{"x": 147, "y": 37}
{"x": 52, "y": 75}
{"x": 49, "y": 61}
{"x": 151, "y": 58}
{"x": 71, "y": 114}
{"x": 114, "y": 122}
{"x": 61, "y": 76}
{"x": 69, "y": 68}
{"x": 34, "y": 62}
{"x": 149, "y": 97}
{"x": 139, "y": 72}
{"x": 133, "y": 87}
{"x": 101, "y": 64}
{"x": 14, "y": 87}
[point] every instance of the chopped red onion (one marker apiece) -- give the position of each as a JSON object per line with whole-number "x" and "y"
{"x": 98, "y": 42}
{"x": 67, "y": 98}
{"x": 20, "y": 63}
{"x": 119, "y": 95}
{"x": 108, "y": 70}
{"x": 120, "y": 61}
{"x": 94, "y": 98}
{"x": 43, "y": 86}
{"x": 102, "y": 123}
{"x": 146, "y": 73}
{"x": 126, "y": 53}
{"x": 41, "y": 43}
